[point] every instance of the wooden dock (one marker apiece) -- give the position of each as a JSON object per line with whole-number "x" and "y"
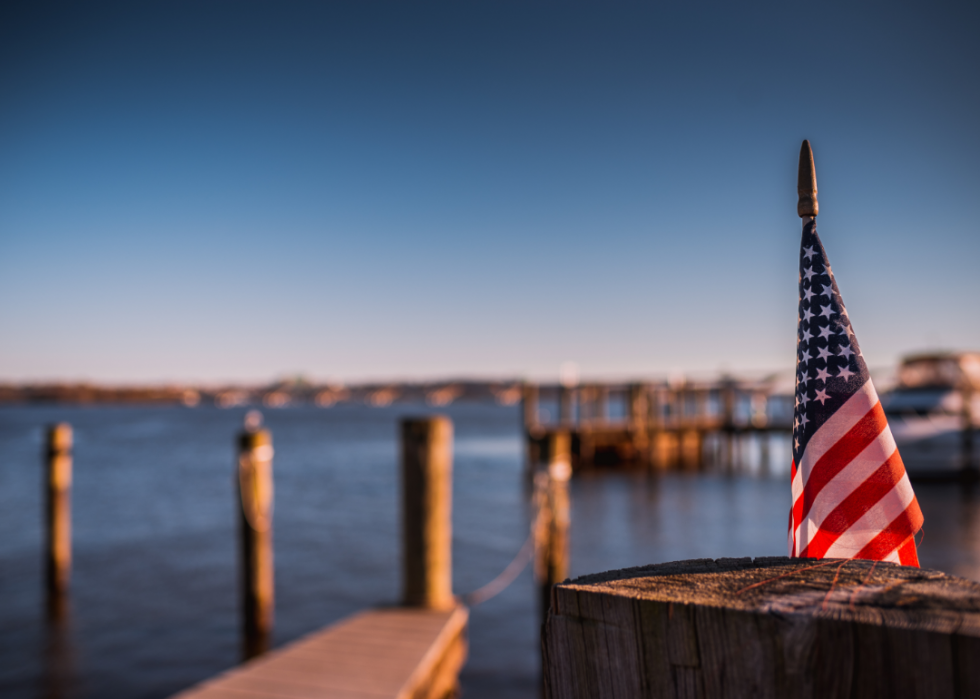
{"x": 655, "y": 425}
{"x": 395, "y": 653}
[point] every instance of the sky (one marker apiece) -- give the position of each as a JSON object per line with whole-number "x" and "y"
{"x": 236, "y": 191}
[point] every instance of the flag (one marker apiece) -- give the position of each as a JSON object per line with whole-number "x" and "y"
{"x": 851, "y": 495}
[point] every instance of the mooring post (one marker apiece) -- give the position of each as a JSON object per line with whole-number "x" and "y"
{"x": 255, "y": 494}
{"x": 58, "y": 515}
{"x": 551, "y": 524}
{"x": 565, "y": 397}
{"x": 427, "y": 487}
{"x": 532, "y": 429}
{"x": 772, "y": 627}
{"x": 969, "y": 467}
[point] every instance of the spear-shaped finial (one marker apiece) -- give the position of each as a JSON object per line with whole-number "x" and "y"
{"x": 806, "y": 183}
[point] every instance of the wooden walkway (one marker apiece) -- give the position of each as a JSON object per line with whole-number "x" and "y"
{"x": 396, "y": 653}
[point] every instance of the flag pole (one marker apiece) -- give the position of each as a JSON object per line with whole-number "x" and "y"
{"x": 806, "y": 183}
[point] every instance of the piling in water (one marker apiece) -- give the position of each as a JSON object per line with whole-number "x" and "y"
{"x": 552, "y": 519}
{"x": 427, "y": 486}
{"x": 58, "y": 473}
{"x": 255, "y": 490}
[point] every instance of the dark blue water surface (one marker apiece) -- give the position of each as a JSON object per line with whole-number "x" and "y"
{"x": 154, "y": 599}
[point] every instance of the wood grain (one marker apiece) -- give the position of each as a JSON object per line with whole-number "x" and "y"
{"x": 393, "y": 653}
{"x": 769, "y": 627}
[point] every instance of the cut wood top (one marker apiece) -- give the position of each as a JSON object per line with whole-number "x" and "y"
{"x": 877, "y": 593}
{"x": 371, "y": 655}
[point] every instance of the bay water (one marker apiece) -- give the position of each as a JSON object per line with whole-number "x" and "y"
{"x": 154, "y": 600}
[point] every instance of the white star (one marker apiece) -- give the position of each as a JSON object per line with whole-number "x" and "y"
{"x": 806, "y": 378}
{"x": 809, "y": 253}
{"x": 809, "y": 274}
{"x": 803, "y": 421}
{"x": 807, "y": 335}
{"x": 806, "y": 314}
{"x": 827, "y": 310}
{"x": 821, "y": 396}
{"x": 796, "y": 423}
{"x": 844, "y": 373}
{"x": 825, "y": 332}
{"x": 846, "y": 351}
{"x": 825, "y": 353}
{"x": 808, "y": 294}
{"x": 823, "y": 375}
{"x": 804, "y": 399}
{"x": 828, "y": 291}
{"x": 805, "y": 358}
{"x": 797, "y": 443}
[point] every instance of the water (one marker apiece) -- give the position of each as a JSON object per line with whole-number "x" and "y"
{"x": 154, "y": 605}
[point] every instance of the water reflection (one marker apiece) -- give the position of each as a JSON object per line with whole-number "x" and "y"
{"x": 58, "y": 652}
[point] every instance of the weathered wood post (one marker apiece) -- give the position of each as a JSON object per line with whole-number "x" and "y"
{"x": 970, "y": 468}
{"x": 775, "y": 627}
{"x": 57, "y": 490}
{"x": 531, "y": 429}
{"x": 565, "y": 398}
{"x": 427, "y": 488}
{"x": 255, "y": 495}
{"x": 553, "y": 517}
{"x": 639, "y": 419}
{"x": 728, "y": 400}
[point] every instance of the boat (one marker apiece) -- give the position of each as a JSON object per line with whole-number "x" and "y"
{"x": 934, "y": 414}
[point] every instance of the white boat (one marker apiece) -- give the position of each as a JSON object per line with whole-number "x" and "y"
{"x": 934, "y": 414}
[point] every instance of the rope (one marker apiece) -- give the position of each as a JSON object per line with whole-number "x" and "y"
{"x": 502, "y": 581}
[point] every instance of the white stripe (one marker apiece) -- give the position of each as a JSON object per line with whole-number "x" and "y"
{"x": 846, "y": 482}
{"x": 893, "y": 557}
{"x": 789, "y": 537}
{"x": 839, "y": 424}
{"x": 874, "y": 521}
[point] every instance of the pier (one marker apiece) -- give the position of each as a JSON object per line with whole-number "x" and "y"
{"x": 651, "y": 425}
{"x": 395, "y": 653}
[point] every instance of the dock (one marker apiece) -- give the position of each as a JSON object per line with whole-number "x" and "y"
{"x": 657, "y": 425}
{"x": 394, "y": 653}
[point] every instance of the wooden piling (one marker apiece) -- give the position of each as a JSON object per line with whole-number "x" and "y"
{"x": 57, "y": 488}
{"x": 970, "y": 468}
{"x": 255, "y": 494}
{"x": 553, "y": 517}
{"x": 775, "y": 627}
{"x": 427, "y": 478}
{"x": 565, "y": 399}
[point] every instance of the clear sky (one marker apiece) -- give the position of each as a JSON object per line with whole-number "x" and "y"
{"x": 240, "y": 191}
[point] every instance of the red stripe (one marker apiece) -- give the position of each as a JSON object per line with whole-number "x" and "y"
{"x": 907, "y": 554}
{"x": 792, "y": 510}
{"x": 895, "y": 534}
{"x": 841, "y": 454}
{"x": 854, "y": 506}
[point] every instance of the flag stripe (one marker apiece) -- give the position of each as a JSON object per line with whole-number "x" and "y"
{"x": 855, "y": 507}
{"x": 847, "y": 480}
{"x": 839, "y": 424}
{"x": 907, "y": 554}
{"x": 887, "y": 512}
{"x": 901, "y": 529}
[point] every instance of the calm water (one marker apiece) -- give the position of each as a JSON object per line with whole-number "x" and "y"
{"x": 154, "y": 596}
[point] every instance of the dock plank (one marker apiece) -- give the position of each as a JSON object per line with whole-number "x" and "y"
{"x": 396, "y": 653}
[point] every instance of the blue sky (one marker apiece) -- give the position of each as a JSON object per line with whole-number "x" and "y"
{"x": 240, "y": 191}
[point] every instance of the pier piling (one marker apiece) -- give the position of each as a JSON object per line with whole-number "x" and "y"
{"x": 551, "y": 525}
{"x": 427, "y": 482}
{"x": 772, "y": 627}
{"x": 58, "y": 475}
{"x": 255, "y": 490}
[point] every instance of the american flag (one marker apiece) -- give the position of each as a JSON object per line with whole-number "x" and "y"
{"x": 851, "y": 495}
